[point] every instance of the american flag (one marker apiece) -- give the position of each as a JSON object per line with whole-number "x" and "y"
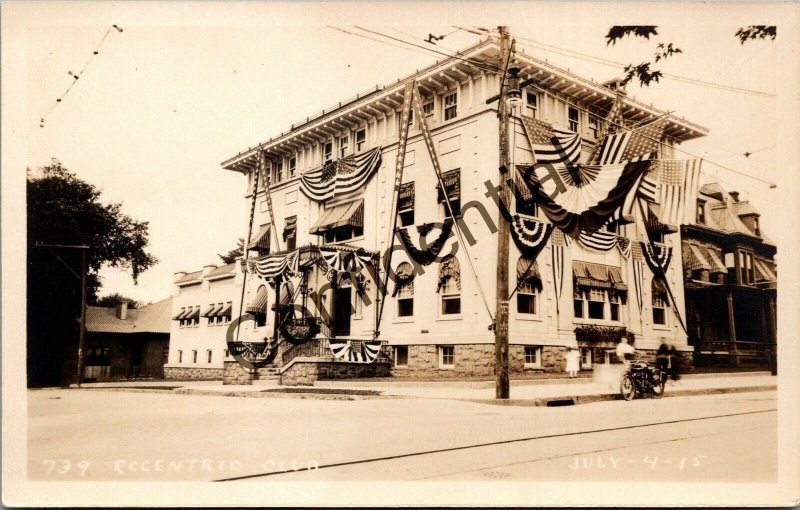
{"x": 552, "y": 145}
{"x": 635, "y": 145}
{"x": 680, "y": 180}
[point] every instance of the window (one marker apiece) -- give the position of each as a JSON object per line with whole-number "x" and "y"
{"x": 361, "y": 139}
{"x": 526, "y": 299}
{"x": 701, "y": 212}
{"x": 292, "y": 167}
{"x": 427, "y": 108}
{"x": 447, "y": 356}
{"x": 194, "y": 356}
{"x": 746, "y": 268}
{"x": 405, "y": 299}
{"x": 527, "y": 207}
{"x": 277, "y": 171}
{"x": 756, "y": 230}
{"x": 532, "y": 104}
{"x": 401, "y": 356}
{"x": 586, "y": 357}
{"x": 405, "y": 204}
{"x": 343, "y": 146}
{"x": 209, "y": 355}
{"x": 613, "y": 305}
{"x": 594, "y": 126}
{"x": 533, "y": 356}
{"x": 290, "y": 232}
{"x": 578, "y": 300}
{"x": 450, "y": 285}
{"x": 338, "y": 234}
{"x": 181, "y": 322}
{"x": 227, "y": 353}
{"x": 327, "y": 151}
{"x": 659, "y": 309}
{"x": 597, "y": 302}
{"x": 180, "y": 356}
{"x": 450, "y": 106}
{"x": 573, "y": 115}
{"x": 611, "y": 226}
{"x": 164, "y": 355}
{"x": 452, "y": 185}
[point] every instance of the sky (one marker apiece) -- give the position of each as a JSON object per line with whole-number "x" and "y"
{"x": 186, "y": 86}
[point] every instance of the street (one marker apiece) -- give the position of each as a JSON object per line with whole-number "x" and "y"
{"x": 107, "y": 435}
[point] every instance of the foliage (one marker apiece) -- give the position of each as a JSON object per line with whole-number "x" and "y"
{"x": 618, "y": 32}
{"x": 592, "y": 333}
{"x": 114, "y": 299}
{"x": 756, "y": 32}
{"x": 232, "y": 255}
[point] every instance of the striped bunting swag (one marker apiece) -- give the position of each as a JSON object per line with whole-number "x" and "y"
{"x": 552, "y": 145}
{"x": 680, "y": 181}
{"x": 657, "y": 257}
{"x": 273, "y": 266}
{"x": 364, "y": 351}
{"x": 340, "y": 177}
{"x": 636, "y": 145}
{"x": 600, "y": 240}
{"x": 529, "y": 234}
{"x": 638, "y": 282}
{"x": 557, "y": 257}
{"x": 624, "y": 244}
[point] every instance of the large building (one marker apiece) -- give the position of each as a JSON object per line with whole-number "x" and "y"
{"x": 436, "y": 316}
{"x": 731, "y": 282}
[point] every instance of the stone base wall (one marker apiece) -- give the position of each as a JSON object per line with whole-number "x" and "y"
{"x": 304, "y": 373}
{"x": 194, "y": 374}
{"x": 234, "y": 373}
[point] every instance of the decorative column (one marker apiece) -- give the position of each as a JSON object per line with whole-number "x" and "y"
{"x": 732, "y": 330}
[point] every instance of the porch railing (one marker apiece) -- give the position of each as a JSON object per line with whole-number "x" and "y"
{"x": 315, "y": 347}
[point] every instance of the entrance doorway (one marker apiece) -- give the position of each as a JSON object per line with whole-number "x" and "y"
{"x": 342, "y": 311}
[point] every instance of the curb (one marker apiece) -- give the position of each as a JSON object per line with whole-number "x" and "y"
{"x": 602, "y": 397}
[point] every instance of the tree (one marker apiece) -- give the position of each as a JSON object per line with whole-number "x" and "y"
{"x": 643, "y": 71}
{"x": 114, "y": 299}
{"x": 64, "y": 210}
{"x": 232, "y": 255}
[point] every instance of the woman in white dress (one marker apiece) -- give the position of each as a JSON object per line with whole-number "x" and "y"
{"x": 573, "y": 362}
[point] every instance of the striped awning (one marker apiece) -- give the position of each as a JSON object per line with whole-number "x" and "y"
{"x": 212, "y": 310}
{"x": 694, "y": 258}
{"x": 654, "y": 225}
{"x": 763, "y": 272}
{"x": 588, "y": 274}
{"x": 193, "y": 314}
{"x": 342, "y": 215}
{"x": 225, "y": 311}
{"x": 659, "y": 288}
{"x": 178, "y": 316}
{"x": 261, "y": 239}
{"x": 259, "y": 302}
{"x": 528, "y": 272}
{"x": 452, "y": 183}
{"x": 717, "y": 266}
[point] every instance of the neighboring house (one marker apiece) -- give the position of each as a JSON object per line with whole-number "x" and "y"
{"x": 127, "y": 343}
{"x": 434, "y": 317}
{"x": 203, "y": 306}
{"x": 730, "y": 282}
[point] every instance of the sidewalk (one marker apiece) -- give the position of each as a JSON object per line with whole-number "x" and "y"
{"x": 523, "y": 392}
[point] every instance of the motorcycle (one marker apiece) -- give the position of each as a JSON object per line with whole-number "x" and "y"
{"x": 640, "y": 378}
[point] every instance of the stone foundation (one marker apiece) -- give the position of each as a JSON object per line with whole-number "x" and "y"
{"x": 193, "y": 374}
{"x": 234, "y": 373}
{"x": 305, "y": 372}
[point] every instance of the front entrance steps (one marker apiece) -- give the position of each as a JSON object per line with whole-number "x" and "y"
{"x": 266, "y": 375}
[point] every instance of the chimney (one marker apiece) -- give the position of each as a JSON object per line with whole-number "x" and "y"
{"x": 177, "y": 275}
{"x": 207, "y": 269}
{"x": 122, "y": 310}
{"x": 734, "y": 195}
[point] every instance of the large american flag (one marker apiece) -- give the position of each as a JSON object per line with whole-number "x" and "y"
{"x": 552, "y": 145}
{"x": 636, "y": 145}
{"x": 680, "y": 180}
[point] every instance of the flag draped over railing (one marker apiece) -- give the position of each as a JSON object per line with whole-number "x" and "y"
{"x": 340, "y": 177}
{"x": 636, "y": 145}
{"x": 601, "y": 240}
{"x": 359, "y": 351}
{"x": 270, "y": 267}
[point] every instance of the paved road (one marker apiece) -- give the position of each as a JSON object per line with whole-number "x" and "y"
{"x": 102, "y": 435}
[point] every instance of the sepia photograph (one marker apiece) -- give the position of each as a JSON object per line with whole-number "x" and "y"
{"x": 399, "y": 253}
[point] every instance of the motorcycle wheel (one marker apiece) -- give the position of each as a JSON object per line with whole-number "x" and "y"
{"x": 658, "y": 386}
{"x": 627, "y": 387}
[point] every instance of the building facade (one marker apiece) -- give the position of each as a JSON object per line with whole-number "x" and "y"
{"x": 437, "y": 317}
{"x": 203, "y": 304}
{"x": 731, "y": 283}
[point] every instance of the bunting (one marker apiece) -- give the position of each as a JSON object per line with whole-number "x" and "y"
{"x": 427, "y": 253}
{"x": 602, "y": 240}
{"x": 529, "y": 234}
{"x": 557, "y": 255}
{"x": 636, "y": 145}
{"x": 624, "y": 245}
{"x": 552, "y": 145}
{"x": 638, "y": 282}
{"x": 355, "y": 351}
{"x": 657, "y": 257}
{"x": 340, "y": 177}
{"x": 273, "y": 266}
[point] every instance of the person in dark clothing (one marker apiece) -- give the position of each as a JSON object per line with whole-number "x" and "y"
{"x": 662, "y": 357}
{"x": 674, "y": 362}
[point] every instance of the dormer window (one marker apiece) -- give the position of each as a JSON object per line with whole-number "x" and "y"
{"x": 701, "y": 212}
{"x": 756, "y": 230}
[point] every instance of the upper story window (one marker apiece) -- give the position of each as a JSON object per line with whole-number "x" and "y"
{"x": 451, "y": 106}
{"x": 427, "y": 108}
{"x": 573, "y": 115}
{"x": 327, "y": 151}
{"x": 361, "y": 139}
{"x": 594, "y": 126}
{"x": 528, "y": 285}
{"x": 532, "y": 105}
{"x": 701, "y": 212}
{"x": 746, "y": 269}
{"x": 290, "y": 233}
{"x": 405, "y": 291}
{"x": 343, "y": 141}
{"x": 452, "y": 184}
{"x": 450, "y": 285}
{"x": 660, "y": 300}
{"x": 405, "y": 204}
{"x": 756, "y": 230}
{"x": 341, "y": 222}
{"x": 292, "y": 167}
{"x": 277, "y": 171}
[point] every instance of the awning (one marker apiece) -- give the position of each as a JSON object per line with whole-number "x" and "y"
{"x": 653, "y": 223}
{"x": 659, "y": 289}
{"x": 716, "y": 262}
{"x": 348, "y": 214}
{"x": 179, "y": 316}
{"x": 599, "y": 276}
{"x": 452, "y": 183}
{"x": 694, "y": 258}
{"x": 405, "y": 200}
{"x": 763, "y": 272}
{"x": 528, "y": 272}
{"x": 225, "y": 311}
{"x": 449, "y": 268}
{"x": 193, "y": 314}
{"x": 211, "y": 311}
{"x": 259, "y": 302}
{"x": 261, "y": 240}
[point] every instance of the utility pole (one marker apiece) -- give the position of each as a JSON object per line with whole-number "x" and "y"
{"x": 503, "y": 234}
{"x": 84, "y": 275}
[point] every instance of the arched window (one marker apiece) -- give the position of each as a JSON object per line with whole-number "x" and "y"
{"x": 450, "y": 285}
{"x": 404, "y": 289}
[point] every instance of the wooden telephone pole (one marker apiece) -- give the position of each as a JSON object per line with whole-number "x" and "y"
{"x": 503, "y": 234}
